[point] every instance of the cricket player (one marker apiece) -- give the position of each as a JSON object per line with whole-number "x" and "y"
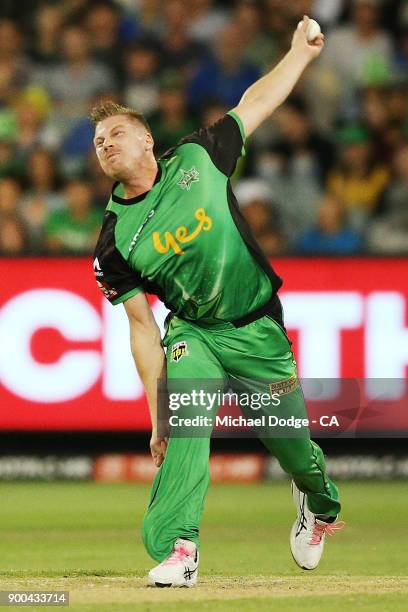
{"x": 172, "y": 228}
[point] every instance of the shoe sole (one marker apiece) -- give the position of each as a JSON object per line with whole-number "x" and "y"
{"x": 162, "y": 585}
{"x": 307, "y": 569}
{"x": 168, "y": 585}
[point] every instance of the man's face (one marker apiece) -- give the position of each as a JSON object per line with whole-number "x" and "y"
{"x": 75, "y": 44}
{"x": 121, "y": 142}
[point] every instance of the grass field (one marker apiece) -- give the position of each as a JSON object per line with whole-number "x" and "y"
{"x": 85, "y": 538}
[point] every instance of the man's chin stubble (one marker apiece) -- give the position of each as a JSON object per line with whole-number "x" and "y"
{"x": 114, "y": 175}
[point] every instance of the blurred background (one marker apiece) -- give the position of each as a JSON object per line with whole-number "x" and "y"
{"x": 327, "y": 174}
{"x": 323, "y": 184}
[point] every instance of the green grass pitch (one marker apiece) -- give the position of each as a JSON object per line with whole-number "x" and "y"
{"x": 85, "y": 538}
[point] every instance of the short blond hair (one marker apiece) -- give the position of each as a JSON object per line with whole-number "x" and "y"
{"x": 111, "y": 109}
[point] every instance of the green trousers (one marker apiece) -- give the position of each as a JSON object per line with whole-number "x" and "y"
{"x": 240, "y": 357}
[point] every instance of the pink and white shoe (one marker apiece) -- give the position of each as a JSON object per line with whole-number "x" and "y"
{"x": 308, "y": 533}
{"x": 180, "y": 569}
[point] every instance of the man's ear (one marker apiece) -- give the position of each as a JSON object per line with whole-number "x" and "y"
{"x": 149, "y": 142}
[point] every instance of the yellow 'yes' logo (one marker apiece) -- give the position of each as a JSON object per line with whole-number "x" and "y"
{"x": 181, "y": 235}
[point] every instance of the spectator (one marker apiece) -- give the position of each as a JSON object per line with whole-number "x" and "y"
{"x": 299, "y": 142}
{"x": 149, "y": 18}
{"x": 360, "y": 53}
{"x": 397, "y": 97}
{"x": 296, "y": 9}
{"x": 295, "y": 165}
{"x": 8, "y": 162}
{"x": 260, "y": 50}
{"x": 376, "y": 116}
{"x": 356, "y": 178}
{"x": 41, "y": 196}
{"x": 401, "y": 52}
{"x": 30, "y": 113}
{"x": 384, "y": 112}
{"x": 102, "y": 22}
{"x": 34, "y": 213}
{"x": 11, "y": 41}
{"x": 331, "y": 235}
{"x": 179, "y": 51}
{"x": 14, "y": 66}
{"x": 327, "y": 13}
{"x": 278, "y": 22}
{"x": 172, "y": 121}
{"x": 206, "y": 21}
{"x": 389, "y": 233}
{"x": 42, "y": 178}
{"x": 58, "y": 58}
{"x": 141, "y": 90}
{"x": 13, "y": 239}
{"x": 10, "y": 196}
{"x": 75, "y": 228}
{"x": 254, "y": 198}
{"x": 225, "y": 75}
{"x": 74, "y": 10}
{"x": 47, "y": 32}
{"x": 101, "y": 184}
{"x": 77, "y": 79}
{"x": 8, "y": 126}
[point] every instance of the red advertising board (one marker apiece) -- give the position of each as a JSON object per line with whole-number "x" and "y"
{"x": 65, "y": 362}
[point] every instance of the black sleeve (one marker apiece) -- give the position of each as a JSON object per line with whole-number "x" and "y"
{"x": 223, "y": 141}
{"x": 114, "y": 277}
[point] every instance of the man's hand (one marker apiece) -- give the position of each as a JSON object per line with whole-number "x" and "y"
{"x": 300, "y": 44}
{"x": 158, "y": 448}
{"x": 265, "y": 95}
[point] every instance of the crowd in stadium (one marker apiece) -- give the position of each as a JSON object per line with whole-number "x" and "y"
{"x": 328, "y": 174}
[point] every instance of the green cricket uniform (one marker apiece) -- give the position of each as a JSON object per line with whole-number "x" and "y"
{"x": 186, "y": 241}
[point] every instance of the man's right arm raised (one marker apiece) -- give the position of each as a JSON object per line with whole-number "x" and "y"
{"x": 147, "y": 351}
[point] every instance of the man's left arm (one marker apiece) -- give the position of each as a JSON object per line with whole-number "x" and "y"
{"x": 265, "y": 95}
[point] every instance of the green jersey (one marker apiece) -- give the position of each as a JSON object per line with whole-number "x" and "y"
{"x": 185, "y": 240}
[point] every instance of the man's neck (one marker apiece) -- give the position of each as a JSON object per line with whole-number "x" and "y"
{"x": 137, "y": 185}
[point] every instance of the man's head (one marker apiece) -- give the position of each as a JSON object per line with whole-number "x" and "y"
{"x": 79, "y": 197}
{"x": 75, "y": 44}
{"x": 400, "y": 162}
{"x": 10, "y": 39}
{"x": 366, "y": 15}
{"x": 228, "y": 47}
{"x": 331, "y": 214}
{"x": 10, "y": 193}
{"x": 123, "y": 140}
{"x": 293, "y": 120}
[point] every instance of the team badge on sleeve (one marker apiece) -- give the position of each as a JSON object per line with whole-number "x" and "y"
{"x": 178, "y": 351}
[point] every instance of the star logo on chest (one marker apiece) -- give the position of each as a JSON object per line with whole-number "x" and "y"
{"x": 188, "y": 177}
